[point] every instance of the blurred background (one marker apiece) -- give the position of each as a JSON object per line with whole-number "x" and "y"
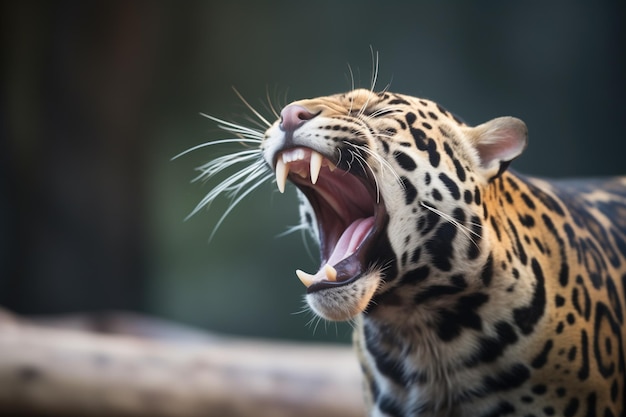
{"x": 97, "y": 97}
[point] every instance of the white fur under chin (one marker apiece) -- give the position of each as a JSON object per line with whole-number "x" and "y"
{"x": 345, "y": 302}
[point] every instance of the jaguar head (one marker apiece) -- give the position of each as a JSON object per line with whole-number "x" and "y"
{"x": 367, "y": 168}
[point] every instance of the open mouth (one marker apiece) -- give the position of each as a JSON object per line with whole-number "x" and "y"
{"x": 350, "y": 214}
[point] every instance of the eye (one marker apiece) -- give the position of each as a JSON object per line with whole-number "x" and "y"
{"x": 389, "y": 131}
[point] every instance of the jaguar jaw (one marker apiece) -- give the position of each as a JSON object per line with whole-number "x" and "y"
{"x": 350, "y": 215}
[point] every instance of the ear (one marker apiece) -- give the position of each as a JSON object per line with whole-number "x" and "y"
{"x": 497, "y": 143}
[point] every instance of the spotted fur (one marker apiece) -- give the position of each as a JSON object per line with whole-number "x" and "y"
{"x": 485, "y": 293}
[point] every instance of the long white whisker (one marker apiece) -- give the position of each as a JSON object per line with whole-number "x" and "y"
{"x": 285, "y": 98}
{"x": 351, "y": 77}
{"x": 464, "y": 229}
{"x": 374, "y": 69}
{"x": 373, "y": 79}
{"x": 304, "y": 309}
{"x": 234, "y": 127}
{"x": 367, "y": 167}
{"x": 293, "y": 229}
{"x": 216, "y": 142}
{"x": 246, "y": 176}
{"x": 382, "y": 111}
{"x": 384, "y": 165}
{"x": 269, "y": 102}
{"x": 252, "y": 109}
{"x": 351, "y": 88}
{"x": 339, "y": 157}
{"x": 255, "y": 122}
{"x": 238, "y": 200}
{"x": 388, "y": 86}
{"x": 231, "y": 185}
{"x": 219, "y": 164}
{"x": 364, "y": 107}
{"x": 250, "y": 169}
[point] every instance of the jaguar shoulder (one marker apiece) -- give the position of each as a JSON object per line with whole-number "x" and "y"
{"x": 476, "y": 291}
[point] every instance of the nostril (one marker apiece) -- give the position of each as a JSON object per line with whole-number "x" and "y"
{"x": 294, "y": 115}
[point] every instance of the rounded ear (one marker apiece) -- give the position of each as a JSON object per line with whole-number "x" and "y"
{"x": 497, "y": 143}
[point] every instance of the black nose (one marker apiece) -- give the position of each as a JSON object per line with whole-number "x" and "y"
{"x": 293, "y": 116}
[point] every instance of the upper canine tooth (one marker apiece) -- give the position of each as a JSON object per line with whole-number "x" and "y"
{"x": 282, "y": 171}
{"x": 316, "y": 165}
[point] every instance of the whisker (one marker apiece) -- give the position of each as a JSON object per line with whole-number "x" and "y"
{"x": 293, "y": 229}
{"x": 464, "y": 229}
{"x": 305, "y": 309}
{"x": 388, "y": 86}
{"x": 353, "y": 323}
{"x": 221, "y": 163}
{"x": 255, "y": 122}
{"x": 252, "y": 109}
{"x": 339, "y": 157}
{"x": 305, "y": 235}
{"x": 235, "y": 128}
{"x": 365, "y": 164}
{"x": 269, "y": 103}
{"x": 232, "y": 185}
{"x": 373, "y": 79}
{"x": 382, "y": 111}
{"x": 364, "y": 107}
{"x": 238, "y": 200}
{"x": 248, "y": 167}
{"x": 384, "y": 165}
{"x": 317, "y": 320}
{"x": 351, "y": 88}
{"x": 375, "y": 61}
{"x": 216, "y": 142}
{"x": 285, "y": 98}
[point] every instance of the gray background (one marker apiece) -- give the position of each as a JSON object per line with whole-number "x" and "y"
{"x": 98, "y": 96}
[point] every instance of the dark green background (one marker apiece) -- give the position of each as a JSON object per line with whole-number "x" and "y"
{"x": 98, "y": 96}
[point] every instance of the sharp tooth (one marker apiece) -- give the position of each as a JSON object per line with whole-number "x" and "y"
{"x": 282, "y": 170}
{"x": 316, "y": 165}
{"x": 331, "y": 273}
{"x": 307, "y": 279}
{"x": 330, "y": 165}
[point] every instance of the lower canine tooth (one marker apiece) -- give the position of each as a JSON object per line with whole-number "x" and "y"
{"x": 331, "y": 273}
{"x": 307, "y": 279}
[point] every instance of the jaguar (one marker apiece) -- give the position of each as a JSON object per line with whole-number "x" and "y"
{"x": 474, "y": 290}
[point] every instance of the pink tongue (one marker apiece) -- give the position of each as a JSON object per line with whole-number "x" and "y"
{"x": 350, "y": 240}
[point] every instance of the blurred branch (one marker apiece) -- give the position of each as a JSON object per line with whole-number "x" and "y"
{"x": 48, "y": 370}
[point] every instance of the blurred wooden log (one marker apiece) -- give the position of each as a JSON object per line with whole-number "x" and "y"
{"x": 50, "y": 371}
